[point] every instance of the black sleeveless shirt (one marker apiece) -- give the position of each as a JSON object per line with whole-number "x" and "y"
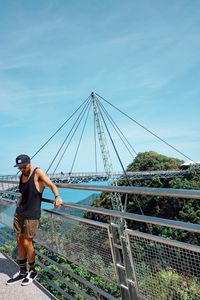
{"x": 30, "y": 205}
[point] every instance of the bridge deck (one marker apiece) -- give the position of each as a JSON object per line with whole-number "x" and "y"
{"x": 17, "y": 292}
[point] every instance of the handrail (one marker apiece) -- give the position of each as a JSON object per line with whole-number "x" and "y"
{"x": 128, "y": 216}
{"x": 175, "y": 193}
{"x": 131, "y": 216}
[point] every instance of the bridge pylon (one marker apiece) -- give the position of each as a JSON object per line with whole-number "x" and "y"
{"x": 121, "y": 259}
{"x": 102, "y": 138}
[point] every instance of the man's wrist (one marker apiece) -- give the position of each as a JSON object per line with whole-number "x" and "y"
{"x": 57, "y": 196}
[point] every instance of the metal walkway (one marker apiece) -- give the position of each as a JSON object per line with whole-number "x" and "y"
{"x": 17, "y": 292}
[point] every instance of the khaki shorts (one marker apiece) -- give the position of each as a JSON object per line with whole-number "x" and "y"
{"x": 25, "y": 226}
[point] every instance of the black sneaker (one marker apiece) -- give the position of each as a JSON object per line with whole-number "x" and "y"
{"x": 19, "y": 276}
{"x": 29, "y": 277}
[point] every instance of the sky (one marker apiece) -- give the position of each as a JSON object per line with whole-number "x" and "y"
{"x": 141, "y": 56}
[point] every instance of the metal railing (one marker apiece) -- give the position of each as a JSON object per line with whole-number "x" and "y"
{"x": 139, "y": 264}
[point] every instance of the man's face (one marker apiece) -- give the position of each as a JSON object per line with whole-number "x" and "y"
{"x": 25, "y": 168}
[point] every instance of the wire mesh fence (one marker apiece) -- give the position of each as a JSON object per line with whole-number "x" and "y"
{"x": 8, "y": 183}
{"x": 82, "y": 241}
{"x": 7, "y": 209}
{"x": 164, "y": 269}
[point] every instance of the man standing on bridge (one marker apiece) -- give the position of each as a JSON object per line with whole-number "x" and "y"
{"x": 26, "y": 219}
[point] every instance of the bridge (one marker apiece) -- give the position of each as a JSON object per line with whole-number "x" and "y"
{"x": 112, "y": 261}
{"x": 86, "y": 252}
{"x": 78, "y": 177}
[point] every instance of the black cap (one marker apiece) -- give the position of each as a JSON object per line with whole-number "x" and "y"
{"x": 22, "y": 159}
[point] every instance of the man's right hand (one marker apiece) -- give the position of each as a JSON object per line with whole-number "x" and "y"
{"x": 58, "y": 201}
{"x": 18, "y": 201}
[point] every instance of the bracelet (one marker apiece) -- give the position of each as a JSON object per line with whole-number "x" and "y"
{"x": 57, "y": 196}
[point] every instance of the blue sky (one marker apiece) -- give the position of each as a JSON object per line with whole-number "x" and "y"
{"x": 142, "y": 56}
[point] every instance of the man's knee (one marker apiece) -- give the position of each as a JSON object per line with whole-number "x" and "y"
{"x": 20, "y": 240}
{"x": 28, "y": 242}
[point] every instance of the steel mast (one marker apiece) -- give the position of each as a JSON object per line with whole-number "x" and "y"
{"x": 120, "y": 250}
{"x": 102, "y": 138}
{"x": 116, "y": 197}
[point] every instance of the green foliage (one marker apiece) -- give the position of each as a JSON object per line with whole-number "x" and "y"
{"x": 77, "y": 242}
{"x": 186, "y": 210}
{"x": 168, "y": 285}
{"x": 75, "y": 269}
{"x": 148, "y": 161}
{"x": 104, "y": 200}
{"x": 191, "y": 180}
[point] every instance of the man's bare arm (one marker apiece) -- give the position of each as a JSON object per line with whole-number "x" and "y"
{"x": 47, "y": 182}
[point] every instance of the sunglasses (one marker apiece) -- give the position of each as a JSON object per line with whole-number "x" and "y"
{"x": 22, "y": 167}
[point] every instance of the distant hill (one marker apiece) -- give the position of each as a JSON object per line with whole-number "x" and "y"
{"x": 89, "y": 200}
{"x": 75, "y": 212}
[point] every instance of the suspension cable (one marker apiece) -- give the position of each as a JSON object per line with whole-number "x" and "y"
{"x": 118, "y": 130}
{"x": 72, "y": 128}
{"x": 124, "y": 171}
{"x": 78, "y": 121}
{"x": 81, "y": 137}
{"x": 151, "y": 132}
{"x": 95, "y": 145}
{"x": 129, "y": 183}
{"x": 58, "y": 129}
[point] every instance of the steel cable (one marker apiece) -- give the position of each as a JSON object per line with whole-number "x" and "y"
{"x": 80, "y": 116}
{"x": 151, "y": 132}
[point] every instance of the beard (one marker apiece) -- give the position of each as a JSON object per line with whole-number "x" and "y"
{"x": 26, "y": 173}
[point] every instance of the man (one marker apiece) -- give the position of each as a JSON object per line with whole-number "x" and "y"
{"x": 26, "y": 219}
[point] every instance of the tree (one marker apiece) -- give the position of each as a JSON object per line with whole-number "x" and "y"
{"x": 186, "y": 210}
{"x": 150, "y": 161}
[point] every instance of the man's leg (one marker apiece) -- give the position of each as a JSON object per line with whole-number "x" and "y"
{"x": 28, "y": 245}
{"x": 22, "y": 254}
{"x": 18, "y": 228}
{"x": 31, "y": 227}
{"x": 30, "y": 230}
{"x": 28, "y": 242}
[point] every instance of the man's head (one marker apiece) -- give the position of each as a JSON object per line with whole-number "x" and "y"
{"x": 23, "y": 162}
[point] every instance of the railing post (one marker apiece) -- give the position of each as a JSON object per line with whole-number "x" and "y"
{"x": 130, "y": 274}
{"x": 126, "y": 280}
